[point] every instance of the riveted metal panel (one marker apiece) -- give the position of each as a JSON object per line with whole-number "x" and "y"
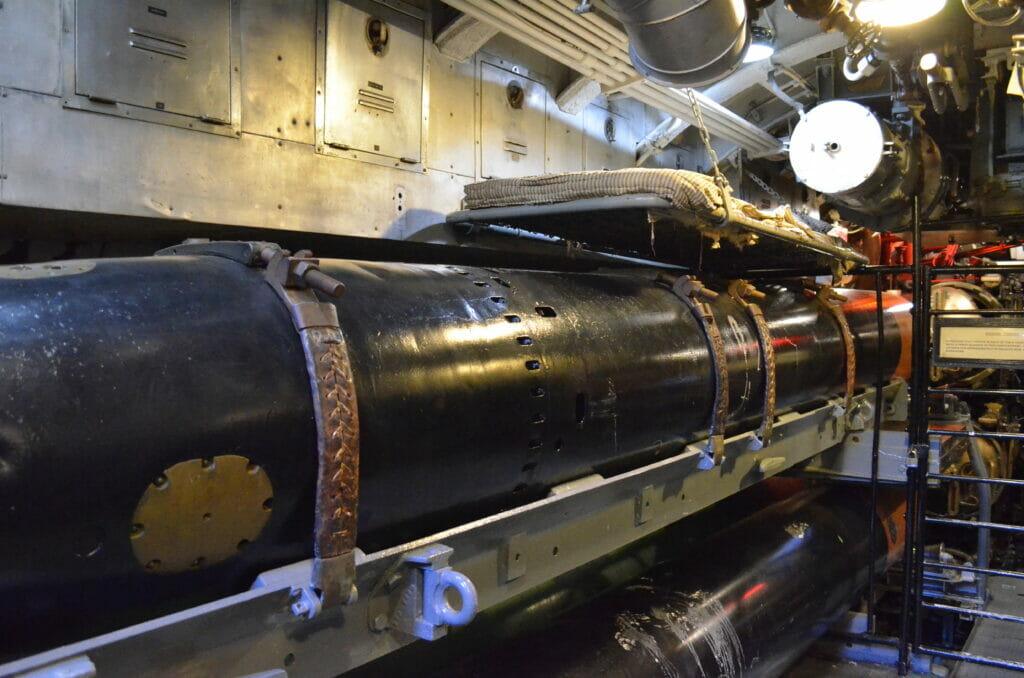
{"x": 512, "y": 111}
{"x": 374, "y": 89}
{"x": 172, "y": 55}
{"x": 279, "y": 68}
{"x": 609, "y": 140}
{"x": 30, "y": 45}
{"x": 563, "y": 143}
{"x": 451, "y": 143}
{"x": 112, "y": 165}
{"x": 117, "y": 162}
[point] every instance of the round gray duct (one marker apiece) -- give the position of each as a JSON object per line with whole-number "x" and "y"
{"x": 684, "y": 43}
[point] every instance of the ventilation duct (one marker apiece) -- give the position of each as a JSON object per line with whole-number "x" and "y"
{"x": 684, "y": 44}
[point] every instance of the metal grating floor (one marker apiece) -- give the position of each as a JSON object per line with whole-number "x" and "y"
{"x": 994, "y": 638}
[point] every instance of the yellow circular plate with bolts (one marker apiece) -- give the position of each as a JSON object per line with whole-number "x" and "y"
{"x": 200, "y": 512}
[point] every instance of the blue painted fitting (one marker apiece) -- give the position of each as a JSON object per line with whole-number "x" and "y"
{"x": 436, "y": 609}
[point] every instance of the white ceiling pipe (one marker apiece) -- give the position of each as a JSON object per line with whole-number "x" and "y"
{"x": 605, "y": 68}
{"x": 657, "y": 139}
{"x": 580, "y": 27}
{"x": 723, "y": 121}
{"x": 590, "y": 61}
{"x": 535, "y": 38}
{"x": 710, "y": 109}
{"x": 719, "y": 120}
{"x": 681, "y": 107}
{"x": 580, "y": 55}
{"x": 756, "y": 74}
{"x": 597, "y": 21}
{"x": 551, "y": 26}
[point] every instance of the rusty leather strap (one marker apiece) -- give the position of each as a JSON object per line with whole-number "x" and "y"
{"x": 683, "y": 288}
{"x": 337, "y": 421}
{"x": 833, "y": 304}
{"x": 764, "y": 338}
{"x": 334, "y": 399}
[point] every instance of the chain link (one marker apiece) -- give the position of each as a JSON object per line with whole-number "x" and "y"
{"x": 772, "y": 193}
{"x": 705, "y": 136}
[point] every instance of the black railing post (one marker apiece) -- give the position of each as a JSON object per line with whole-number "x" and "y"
{"x": 876, "y": 436}
{"x": 917, "y": 433}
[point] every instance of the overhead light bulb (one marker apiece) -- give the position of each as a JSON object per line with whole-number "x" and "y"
{"x": 896, "y": 13}
{"x": 762, "y": 44}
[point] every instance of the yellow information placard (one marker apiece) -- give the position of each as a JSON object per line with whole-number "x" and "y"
{"x": 983, "y": 343}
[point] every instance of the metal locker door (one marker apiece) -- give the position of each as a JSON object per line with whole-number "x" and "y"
{"x": 373, "y": 79}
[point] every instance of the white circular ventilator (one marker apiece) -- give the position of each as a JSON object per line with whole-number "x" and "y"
{"x": 836, "y": 146}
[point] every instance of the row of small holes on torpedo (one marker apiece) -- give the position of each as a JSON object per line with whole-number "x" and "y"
{"x": 539, "y": 419}
{"x": 494, "y": 298}
{"x": 542, "y": 311}
{"x": 538, "y": 397}
{"x": 534, "y": 441}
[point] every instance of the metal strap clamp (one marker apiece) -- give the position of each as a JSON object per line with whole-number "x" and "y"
{"x": 741, "y": 291}
{"x": 697, "y": 298}
{"x": 295, "y": 279}
{"x": 832, "y": 302}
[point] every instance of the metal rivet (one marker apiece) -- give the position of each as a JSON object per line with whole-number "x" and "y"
{"x": 380, "y": 622}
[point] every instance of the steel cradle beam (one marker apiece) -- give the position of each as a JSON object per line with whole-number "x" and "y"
{"x": 507, "y": 554}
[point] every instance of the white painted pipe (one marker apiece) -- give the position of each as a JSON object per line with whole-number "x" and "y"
{"x": 726, "y": 119}
{"x": 581, "y": 27}
{"x": 754, "y": 74}
{"x": 719, "y": 120}
{"x": 535, "y": 38}
{"x": 614, "y": 65}
{"x": 544, "y": 29}
{"x": 657, "y": 139}
{"x": 613, "y": 32}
